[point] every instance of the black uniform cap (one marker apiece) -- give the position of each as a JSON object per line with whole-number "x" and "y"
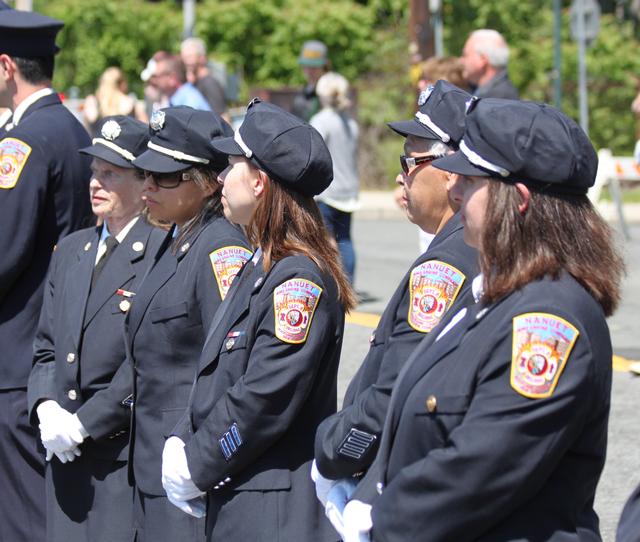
{"x": 181, "y": 138}
{"x": 288, "y": 149}
{"x": 120, "y": 140}
{"x": 526, "y": 142}
{"x": 27, "y": 34}
{"x": 440, "y": 116}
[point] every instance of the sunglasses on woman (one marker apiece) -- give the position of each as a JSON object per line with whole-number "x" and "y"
{"x": 167, "y": 180}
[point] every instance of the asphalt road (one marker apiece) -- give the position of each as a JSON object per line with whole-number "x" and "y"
{"x": 384, "y": 250}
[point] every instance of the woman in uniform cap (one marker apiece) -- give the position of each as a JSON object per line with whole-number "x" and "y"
{"x": 267, "y": 373}
{"x": 80, "y": 376}
{"x": 497, "y": 428}
{"x": 171, "y": 311}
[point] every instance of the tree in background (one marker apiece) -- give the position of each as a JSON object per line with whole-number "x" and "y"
{"x": 367, "y": 42}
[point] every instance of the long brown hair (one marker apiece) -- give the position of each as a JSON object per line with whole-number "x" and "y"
{"x": 286, "y": 223}
{"x": 556, "y": 233}
{"x": 205, "y": 178}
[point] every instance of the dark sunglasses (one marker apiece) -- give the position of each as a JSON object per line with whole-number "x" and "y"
{"x": 167, "y": 180}
{"x": 409, "y": 162}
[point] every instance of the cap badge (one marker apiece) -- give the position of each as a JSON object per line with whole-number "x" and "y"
{"x": 157, "y": 120}
{"x": 424, "y": 95}
{"x": 110, "y": 130}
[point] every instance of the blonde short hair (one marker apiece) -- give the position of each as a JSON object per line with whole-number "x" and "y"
{"x": 333, "y": 91}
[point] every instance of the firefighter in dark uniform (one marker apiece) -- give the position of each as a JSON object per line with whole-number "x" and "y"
{"x": 497, "y": 426}
{"x": 44, "y": 195}
{"x": 267, "y": 374}
{"x": 170, "y": 314}
{"x": 438, "y": 281}
{"x": 80, "y": 382}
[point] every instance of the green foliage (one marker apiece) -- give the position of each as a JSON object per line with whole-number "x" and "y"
{"x": 103, "y": 33}
{"x": 264, "y": 38}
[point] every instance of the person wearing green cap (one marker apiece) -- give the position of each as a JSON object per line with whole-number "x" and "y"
{"x": 314, "y": 63}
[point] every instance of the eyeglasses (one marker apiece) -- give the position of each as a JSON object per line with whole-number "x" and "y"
{"x": 167, "y": 180}
{"x": 409, "y": 162}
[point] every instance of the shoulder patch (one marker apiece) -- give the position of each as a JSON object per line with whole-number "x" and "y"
{"x": 226, "y": 263}
{"x": 13, "y": 156}
{"x": 542, "y": 343}
{"x": 433, "y": 287}
{"x": 294, "y": 303}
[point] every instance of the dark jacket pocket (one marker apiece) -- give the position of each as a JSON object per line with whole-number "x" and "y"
{"x": 272, "y": 479}
{"x": 162, "y": 314}
{"x": 170, "y": 418}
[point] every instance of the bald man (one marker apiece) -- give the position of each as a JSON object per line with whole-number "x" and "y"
{"x": 484, "y": 62}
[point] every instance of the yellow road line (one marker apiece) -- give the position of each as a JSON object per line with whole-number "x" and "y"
{"x": 367, "y": 319}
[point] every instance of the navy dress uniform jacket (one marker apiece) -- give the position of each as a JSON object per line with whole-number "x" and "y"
{"x": 44, "y": 195}
{"x": 346, "y": 443}
{"x": 164, "y": 331}
{"x": 79, "y": 348}
{"x": 465, "y": 456}
{"x": 259, "y": 396}
{"x": 80, "y": 362}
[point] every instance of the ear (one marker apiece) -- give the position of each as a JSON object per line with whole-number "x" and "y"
{"x": 259, "y": 184}
{"x": 525, "y": 198}
{"x": 8, "y": 67}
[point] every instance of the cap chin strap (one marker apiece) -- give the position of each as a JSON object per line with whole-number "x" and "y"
{"x": 238, "y": 139}
{"x": 477, "y": 160}
{"x": 115, "y": 148}
{"x": 177, "y": 154}
{"x": 425, "y": 119}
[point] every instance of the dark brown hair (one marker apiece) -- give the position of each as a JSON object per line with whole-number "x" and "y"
{"x": 204, "y": 177}
{"x": 556, "y": 233}
{"x": 287, "y": 223}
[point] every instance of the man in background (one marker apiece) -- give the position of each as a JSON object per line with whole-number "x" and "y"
{"x": 314, "y": 62}
{"x": 43, "y": 196}
{"x": 484, "y": 59}
{"x": 171, "y": 78}
{"x": 193, "y": 53}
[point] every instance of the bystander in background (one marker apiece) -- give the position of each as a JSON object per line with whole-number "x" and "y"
{"x": 314, "y": 62}
{"x": 111, "y": 98}
{"x": 340, "y": 132}
{"x": 193, "y": 53}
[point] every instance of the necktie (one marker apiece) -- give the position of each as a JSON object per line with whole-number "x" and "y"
{"x": 111, "y": 243}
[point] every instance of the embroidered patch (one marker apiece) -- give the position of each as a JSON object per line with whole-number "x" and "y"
{"x": 541, "y": 346}
{"x": 226, "y": 263}
{"x": 294, "y": 303}
{"x": 433, "y": 287}
{"x": 13, "y": 156}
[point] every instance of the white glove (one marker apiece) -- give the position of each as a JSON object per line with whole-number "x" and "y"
{"x": 357, "y": 522}
{"x": 195, "y": 507}
{"x": 176, "y": 478}
{"x": 337, "y": 499}
{"x": 323, "y": 485}
{"x": 60, "y": 431}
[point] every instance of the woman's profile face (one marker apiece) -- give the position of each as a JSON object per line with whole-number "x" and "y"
{"x": 472, "y": 194}
{"x": 239, "y": 195}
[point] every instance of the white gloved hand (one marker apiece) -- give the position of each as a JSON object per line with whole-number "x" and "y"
{"x": 60, "y": 431}
{"x": 357, "y": 522}
{"x": 323, "y": 485}
{"x": 195, "y": 507}
{"x": 64, "y": 457}
{"x": 337, "y": 499}
{"x": 176, "y": 478}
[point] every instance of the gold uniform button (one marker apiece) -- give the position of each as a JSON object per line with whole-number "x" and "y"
{"x": 124, "y": 305}
{"x": 71, "y": 394}
{"x": 229, "y": 344}
{"x": 71, "y": 357}
{"x": 432, "y": 403}
{"x": 138, "y": 246}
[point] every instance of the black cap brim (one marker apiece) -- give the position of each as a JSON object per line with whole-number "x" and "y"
{"x": 458, "y": 163}
{"x": 228, "y": 146}
{"x": 157, "y": 162}
{"x": 411, "y": 127}
{"x": 108, "y": 155}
